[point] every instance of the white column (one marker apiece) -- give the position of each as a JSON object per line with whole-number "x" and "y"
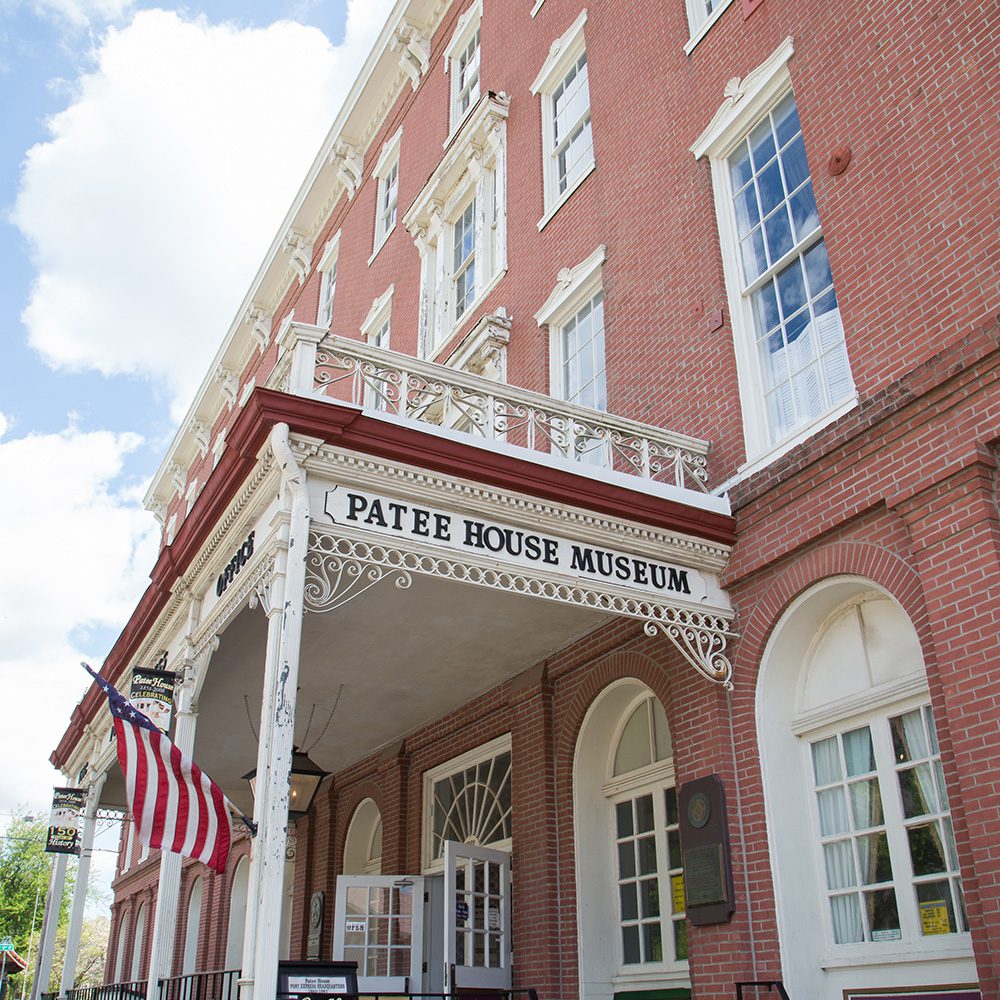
{"x": 80, "y": 889}
{"x": 47, "y": 940}
{"x": 161, "y": 953}
{"x": 301, "y": 340}
{"x": 274, "y": 755}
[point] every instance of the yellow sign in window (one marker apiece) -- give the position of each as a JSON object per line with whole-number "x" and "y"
{"x": 677, "y": 892}
{"x": 934, "y": 917}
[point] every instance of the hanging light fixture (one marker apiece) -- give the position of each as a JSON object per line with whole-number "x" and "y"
{"x": 305, "y": 781}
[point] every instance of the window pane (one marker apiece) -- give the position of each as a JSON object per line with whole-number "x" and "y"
{"x": 647, "y": 856}
{"x": 644, "y": 813}
{"x": 926, "y": 849}
{"x": 937, "y": 911}
{"x": 626, "y": 860}
{"x": 909, "y": 740}
{"x": 649, "y": 894}
{"x": 858, "y": 752}
{"x": 671, "y": 802}
{"x": 883, "y": 915}
{"x": 630, "y": 945}
{"x": 832, "y": 811}
{"x": 916, "y": 786}
{"x": 680, "y": 940}
{"x": 873, "y": 859}
{"x": 826, "y": 761}
{"x": 623, "y": 813}
{"x": 663, "y": 745}
{"x": 630, "y": 906}
{"x": 839, "y": 865}
{"x": 847, "y": 925}
{"x": 652, "y": 942}
{"x": 866, "y": 804}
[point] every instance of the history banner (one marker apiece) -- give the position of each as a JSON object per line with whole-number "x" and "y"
{"x": 64, "y": 822}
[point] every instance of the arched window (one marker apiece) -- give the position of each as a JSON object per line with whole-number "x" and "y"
{"x": 120, "y": 948}
{"x": 630, "y": 886}
{"x": 237, "y": 914}
{"x": 863, "y": 853}
{"x": 137, "y": 941}
{"x": 193, "y": 932}
{"x": 363, "y": 844}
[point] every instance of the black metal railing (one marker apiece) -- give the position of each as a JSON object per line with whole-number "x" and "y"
{"x": 763, "y": 984}
{"x": 110, "y": 991}
{"x": 222, "y": 984}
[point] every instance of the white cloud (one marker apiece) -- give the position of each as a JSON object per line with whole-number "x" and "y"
{"x": 165, "y": 180}
{"x": 78, "y": 549}
{"x": 82, "y": 13}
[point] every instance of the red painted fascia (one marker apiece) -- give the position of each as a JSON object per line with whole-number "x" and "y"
{"x": 348, "y": 427}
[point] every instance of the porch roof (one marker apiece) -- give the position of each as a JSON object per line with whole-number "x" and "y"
{"x": 351, "y": 427}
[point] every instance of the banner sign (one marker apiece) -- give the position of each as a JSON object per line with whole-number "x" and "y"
{"x": 152, "y": 692}
{"x": 510, "y": 545}
{"x": 64, "y": 822}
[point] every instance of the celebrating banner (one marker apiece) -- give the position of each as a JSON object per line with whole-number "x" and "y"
{"x": 64, "y": 823}
{"x": 152, "y": 692}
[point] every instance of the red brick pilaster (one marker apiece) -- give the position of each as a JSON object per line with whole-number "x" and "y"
{"x": 535, "y": 903}
{"x": 955, "y": 532}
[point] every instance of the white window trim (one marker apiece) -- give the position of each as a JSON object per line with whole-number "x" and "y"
{"x": 746, "y": 102}
{"x": 380, "y": 311}
{"x": 502, "y": 744}
{"x": 537, "y": 7}
{"x": 564, "y": 51}
{"x": 906, "y": 950}
{"x": 331, "y": 255}
{"x": 467, "y": 25}
{"x": 383, "y": 166}
{"x": 574, "y": 286}
{"x": 700, "y": 30}
{"x": 474, "y": 164}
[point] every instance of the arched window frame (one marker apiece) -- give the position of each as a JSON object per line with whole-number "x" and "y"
{"x": 192, "y": 926}
{"x": 790, "y": 719}
{"x": 120, "y": 945}
{"x": 658, "y": 781}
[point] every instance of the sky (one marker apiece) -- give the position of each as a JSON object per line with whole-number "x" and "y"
{"x": 148, "y": 155}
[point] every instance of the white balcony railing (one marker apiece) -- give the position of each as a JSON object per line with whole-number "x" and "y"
{"x": 408, "y": 387}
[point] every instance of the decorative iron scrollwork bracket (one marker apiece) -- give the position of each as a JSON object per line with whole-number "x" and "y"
{"x": 700, "y": 638}
{"x": 333, "y": 580}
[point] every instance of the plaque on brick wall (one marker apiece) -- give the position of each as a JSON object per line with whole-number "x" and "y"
{"x": 708, "y": 874}
{"x": 317, "y": 910}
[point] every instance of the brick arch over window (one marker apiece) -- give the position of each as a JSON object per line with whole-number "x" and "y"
{"x": 880, "y": 565}
{"x": 347, "y": 806}
{"x": 116, "y": 963}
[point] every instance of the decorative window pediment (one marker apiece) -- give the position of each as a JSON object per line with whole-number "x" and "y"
{"x": 459, "y": 223}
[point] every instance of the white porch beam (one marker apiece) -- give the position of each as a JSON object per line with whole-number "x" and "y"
{"x": 50, "y": 922}
{"x": 277, "y": 725}
{"x": 80, "y": 889}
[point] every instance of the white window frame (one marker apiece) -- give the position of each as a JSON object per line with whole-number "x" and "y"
{"x": 328, "y": 281}
{"x": 700, "y": 21}
{"x": 386, "y": 172}
{"x": 574, "y": 287}
{"x": 747, "y": 102}
{"x": 376, "y": 329}
{"x": 562, "y": 57}
{"x": 911, "y": 944}
{"x": 469, "y": 24}
{"x": 650, "y": 779}
{"x": 487, "y": 751}
{"x": 474, "y": 166}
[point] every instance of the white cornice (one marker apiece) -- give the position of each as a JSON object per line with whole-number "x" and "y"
{"x": 335, "y": 171}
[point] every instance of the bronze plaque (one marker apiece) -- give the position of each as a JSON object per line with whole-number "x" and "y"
{"x": 705, "y": 875}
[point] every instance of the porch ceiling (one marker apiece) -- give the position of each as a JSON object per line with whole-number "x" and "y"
{"x": 404, "y": 657}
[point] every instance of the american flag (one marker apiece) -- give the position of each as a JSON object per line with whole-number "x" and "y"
{"x": 175, "y": 806}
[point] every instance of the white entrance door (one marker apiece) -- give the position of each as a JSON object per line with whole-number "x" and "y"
{"x": 379, "y": 923}
{"x": 476, "y": 917}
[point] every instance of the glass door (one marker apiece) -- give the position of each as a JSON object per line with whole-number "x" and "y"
{"x": 378, "y": 923}
{"x": 476, "y": 917}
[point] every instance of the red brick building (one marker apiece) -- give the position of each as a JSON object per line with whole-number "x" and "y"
{"x": 626, "y": 377}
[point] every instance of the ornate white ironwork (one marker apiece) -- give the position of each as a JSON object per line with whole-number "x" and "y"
{"x": 419, "y": 390}
{"x": 700, "y": 636}
{"x": 701, "y": 640}
{"x": 333, "y": 579}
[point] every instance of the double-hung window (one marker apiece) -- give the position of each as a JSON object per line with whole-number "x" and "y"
{"x": 791, "y": 353}
{"x": 328, "y": 282}
{"x": 459, "y": 224}
{"x": 888, "y": 847}
{"x": 386, "y": 171}
{"x": 563, "y": 84}
{"x": 381, "y": 393}
{"x": 647, "y": 849}
{"x": 462, "y": 63}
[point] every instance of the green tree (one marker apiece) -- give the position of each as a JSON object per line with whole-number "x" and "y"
{"x": 24, "y": 881}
